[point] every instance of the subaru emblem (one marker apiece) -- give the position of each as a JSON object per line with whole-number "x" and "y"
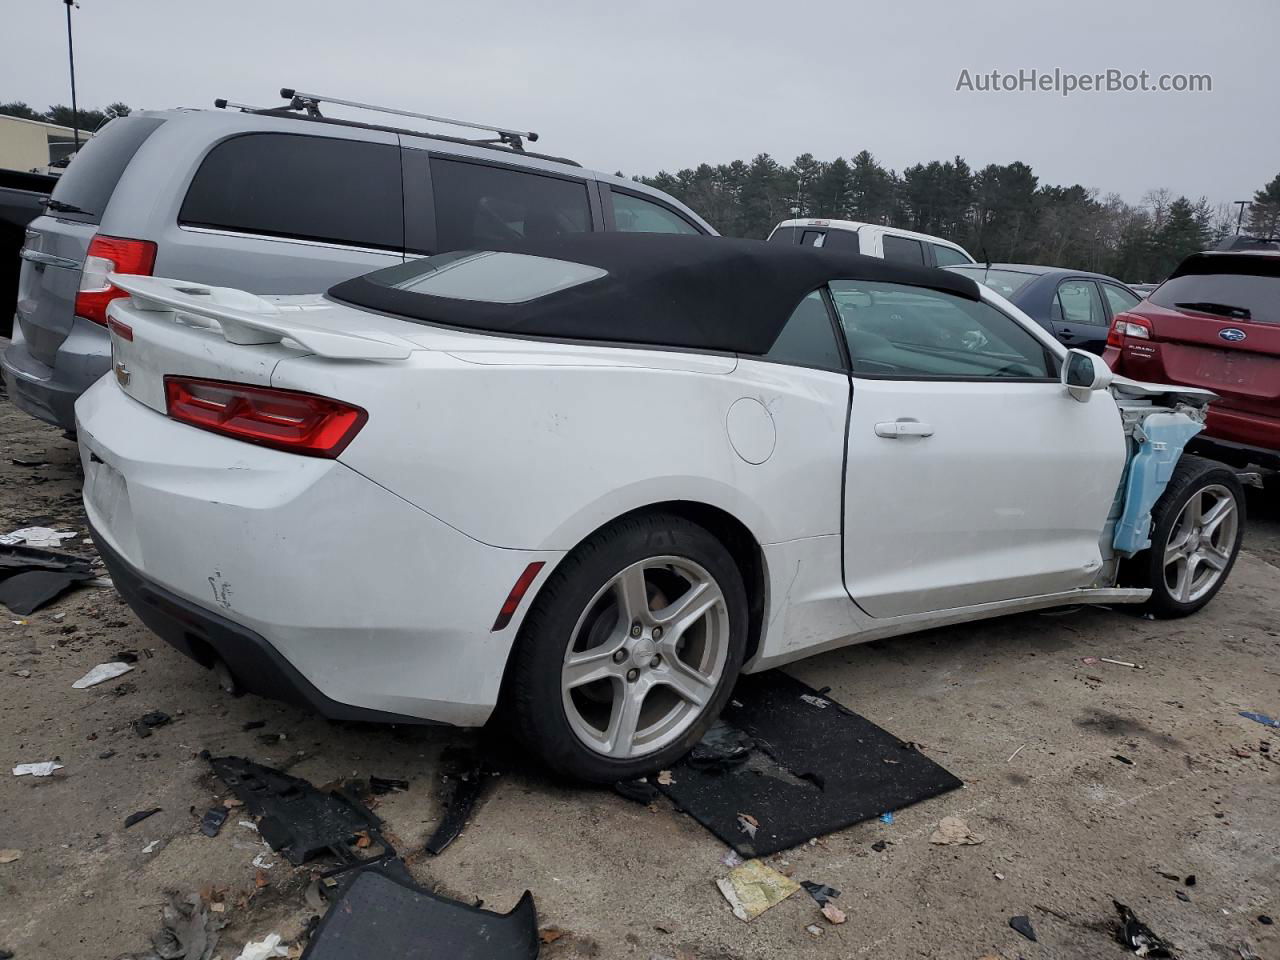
{"x": 1232, "y": 335}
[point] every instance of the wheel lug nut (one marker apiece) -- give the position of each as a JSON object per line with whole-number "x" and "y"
{"x": 632, "y": 674}
{"x": 655, "y": 662}
{"x": 657, "y": 633}
{"x": 635, "y": 629}
{"x": 619, "y": 656}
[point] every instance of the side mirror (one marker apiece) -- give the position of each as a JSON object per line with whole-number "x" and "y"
{"x": 1083, "y": 373}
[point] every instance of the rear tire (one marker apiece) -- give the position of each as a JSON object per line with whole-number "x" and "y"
{"x": 630, "y": 650}
{"x": 1197, "y": 526}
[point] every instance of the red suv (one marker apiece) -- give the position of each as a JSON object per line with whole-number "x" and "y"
{"x": 1215, "y": 323}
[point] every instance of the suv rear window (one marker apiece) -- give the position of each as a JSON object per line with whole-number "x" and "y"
{"x": 903, "y": 249}
{"x": 478, "y": 205}
{"x": 310, "y": 188}
{"x": 91, "y": 177}
{"x": 1232, "y": 296}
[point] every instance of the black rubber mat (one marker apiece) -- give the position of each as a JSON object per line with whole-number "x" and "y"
{"x": 380, "y": 917}
{"x": 816, "y": 767}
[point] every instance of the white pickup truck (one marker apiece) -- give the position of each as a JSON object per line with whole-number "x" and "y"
{"x": 872, "y": 240}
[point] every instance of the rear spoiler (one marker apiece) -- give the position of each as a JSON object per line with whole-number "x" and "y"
{"x": 247, "y": 319}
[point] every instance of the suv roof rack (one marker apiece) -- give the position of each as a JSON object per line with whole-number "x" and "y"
{"x": 310, "y": 102}
{"x": 306, "y": 106}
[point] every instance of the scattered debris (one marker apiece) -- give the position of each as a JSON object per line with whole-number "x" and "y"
{"x": 37, "y": 537}
{"x": 730, "y": 858}
{"x": 149, "y": 721}
{"x": 138, "y": 817}
{"x": 1190, "y": 881}
{"x": 43, "y": 769}
{"x": 833, "y": 913}
{"x": 23, "y": 462}
{"x": 813, "y": 930}
{"x": 1137, "y": 936}
{"x": 1182, "y": 895}
{"x": 721, "y": 748}
{"x": 753, "y": 888}
{"x": 384, "y": 785}
{"x": 886, "y": 817}
{"x": 211, "y": 823}
{"x": 381, "y": 913}
{"x": 818, "y": 702}
{"x": 1261, "y": 718}
{"x": 1169, "y": 876}
{"x": 641, "y": 790}
{"x": 1023, "y": 925}
{"x": 187, "y": 932}
{"x": 879, "y": 846}
{"x": 254, "y": 725}
{"x": 1015, "y": 753}
{"x": 296, "y": 819}
{"x": 664, "y": 778}
{"x": 263, "y": 949}
{"x": 550, "y": 934}
{"x": 748, "y": 824}
{"x": 953, "y": 831}
{"x": 8, "y": 856}
{"x": 1122, "y": 759}
{"x": 463, "y": 775}
{"x": 100, "y": 674}
{"x": 260, "y": 861}
{"x": 150, "y": 847}
{"x": 820, "y": 892}
{"x": 999, "y": 876}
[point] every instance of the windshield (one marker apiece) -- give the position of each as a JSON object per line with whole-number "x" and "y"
{"x": 1004, "y": 282}
{"x": 1233, "y": 296}
{"x": 485, "y": 276}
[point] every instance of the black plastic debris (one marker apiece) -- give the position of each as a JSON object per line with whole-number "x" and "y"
{"x": 880, "y": 845}
{"x": 1265, "y": 920}
{"x": 25, "y": 593}
{"x": 641, "y": 791}
{"x": 1137, "y": 936}
{"x": 6, "y": 955}
{"x": 1182, "y": 895}
{"x": 381, "y": 914}
{"x": 188, "y": 931}
{"x": 815, "y": 767}
{"x": 464, "y": 775}
{"x": 24, "y": 462}
{"x": 213, "y": 820}
{"x": 1190, "y": 881}
{"x": 1123, "y": 759}
{"x": 254, "y": 725}
{"x": 1023, "y": 925}
{"x": 149, "y": 721}
{"x": 106, "y": 754}
{"x": 138, "y": 817}
{"x": 385, "y": 785}
{"x": 820, "y": 892}
{"x": 125, "y": 656}
{"x": 722, "y": 747}
{"x": 298, "y": 820}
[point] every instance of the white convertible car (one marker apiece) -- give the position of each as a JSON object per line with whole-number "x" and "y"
{"x": 595, "y": 480}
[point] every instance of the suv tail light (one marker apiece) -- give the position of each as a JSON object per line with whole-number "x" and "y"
{"x": 110, "y": 255}
{"x": 1128, "y": 325}
{"x": 284, "y": 419}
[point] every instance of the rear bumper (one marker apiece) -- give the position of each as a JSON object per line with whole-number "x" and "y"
{"x": 1241, "y": 433}
{"x": 49, "y": 393}
{"x": 1235, "y": 454}
{"x": 314, "y": 584}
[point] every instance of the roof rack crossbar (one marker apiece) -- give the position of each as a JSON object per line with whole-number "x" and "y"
{"x": 223, "y": 104}
{"x": 310, "y": 102}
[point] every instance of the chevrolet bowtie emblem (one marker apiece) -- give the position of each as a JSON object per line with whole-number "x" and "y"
{"x": 122, "y": 373}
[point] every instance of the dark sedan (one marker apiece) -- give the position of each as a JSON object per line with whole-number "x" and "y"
{"x": 1075, "y": 306}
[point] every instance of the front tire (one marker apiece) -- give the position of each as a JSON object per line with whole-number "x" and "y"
{"x": 630, "y": 650}
{"x": 1197, "y": 526}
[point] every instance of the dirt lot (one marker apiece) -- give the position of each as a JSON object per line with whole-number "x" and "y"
{"x": 1067, "y": 826}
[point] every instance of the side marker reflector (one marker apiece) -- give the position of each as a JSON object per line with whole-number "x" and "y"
{"x": 523, "y": 582}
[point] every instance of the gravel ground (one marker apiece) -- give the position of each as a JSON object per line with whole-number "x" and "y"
{"x": 1066, "y": 826}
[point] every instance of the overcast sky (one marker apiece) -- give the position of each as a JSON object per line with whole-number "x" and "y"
{"x": 648, "y": 85}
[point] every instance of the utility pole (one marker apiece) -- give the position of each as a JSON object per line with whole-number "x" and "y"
{"x": 71, "y": 60}
{"x": 1240, "y": 216}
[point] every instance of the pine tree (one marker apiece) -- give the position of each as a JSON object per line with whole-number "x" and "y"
{"x": 1264, "y": 213}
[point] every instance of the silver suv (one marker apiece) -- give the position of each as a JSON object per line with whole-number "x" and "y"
{"x": 278, "y": 201}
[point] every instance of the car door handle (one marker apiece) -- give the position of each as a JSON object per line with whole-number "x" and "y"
{"x": 894, "y": 429}
{"x": 47, "y": 259}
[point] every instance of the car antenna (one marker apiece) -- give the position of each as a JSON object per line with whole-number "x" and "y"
{"x": 310, "y": 102}
{"x": 987, "y": 257}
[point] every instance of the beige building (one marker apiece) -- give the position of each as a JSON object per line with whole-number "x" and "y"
{"x": 32, "y": 144}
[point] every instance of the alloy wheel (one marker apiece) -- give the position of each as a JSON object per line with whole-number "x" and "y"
{"x": 1200, "y": 543}
{"x": 646, "y": 657}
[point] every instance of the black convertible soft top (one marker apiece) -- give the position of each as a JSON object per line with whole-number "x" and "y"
{"x": 668, "y": 290}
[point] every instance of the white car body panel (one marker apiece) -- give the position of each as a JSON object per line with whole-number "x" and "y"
{"x": 378, "y": 575}
{"x": 871, "y": 235}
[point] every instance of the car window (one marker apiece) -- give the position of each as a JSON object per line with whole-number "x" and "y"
{"x": 903, "y": 249}
{"x": 1118, "y": 299}
{"x": 1231, "y": 296}
{"x": 946, "y": 256}
{"x": 312, "y": 188}
{"x": 784, "y": 235}
{"x": 1004, "y": 282}
{"x": 632, "y": 214}
{"x": 485, "y": 276}
{"x": 910, "y": 332}
{"x": 478, "y": 205}
{"x": 808, "y": 339}
{"x": 1078, "y": 302}
{"x": 813, "y": 238}
{"x": 91, "y": 178}
{"x": 846, "y": 241}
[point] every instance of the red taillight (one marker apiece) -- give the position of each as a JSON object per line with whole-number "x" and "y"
{"x": 283, "y": 419}
{"x": 523, "y": 582}
{"x": 1128, "y": 325}
{"x": 121, "y": 330}
{"x": 110, "y": 255}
